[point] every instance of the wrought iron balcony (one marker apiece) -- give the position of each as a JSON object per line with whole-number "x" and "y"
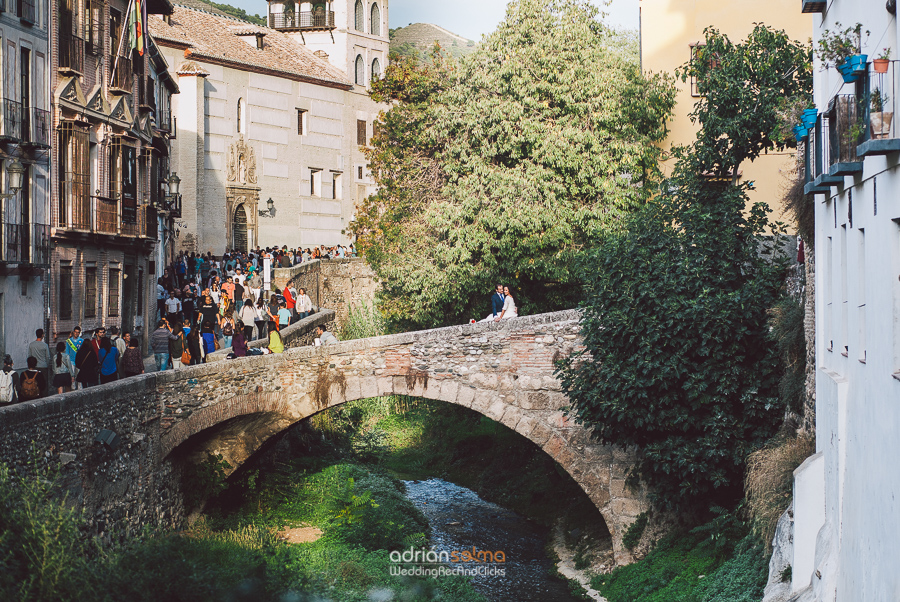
{"x": 36, "y": 128}
{"x": 25, "y": 244}
{"x": 71, "y": 52}
{"x": 121, "y": 73}
{"x": 878, "y": 110}
{"x": 845, "y": 133}
{"x": 164, "y": 120}
{"x": 302, "y": 21}
{"x": 106, "y": 215}
{"x": 11, "y": 120}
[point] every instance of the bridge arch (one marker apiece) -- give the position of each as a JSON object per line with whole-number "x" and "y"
{"x": 503, "y": 371}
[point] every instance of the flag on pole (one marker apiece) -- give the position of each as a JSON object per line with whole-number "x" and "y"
{"x": 137, "y": 20}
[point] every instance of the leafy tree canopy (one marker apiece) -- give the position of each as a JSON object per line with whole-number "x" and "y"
{"x": 678, "y": 358}
{"x": 503, "y": 166}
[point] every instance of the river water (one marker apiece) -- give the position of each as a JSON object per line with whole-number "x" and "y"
{"x": 460, "y": 520}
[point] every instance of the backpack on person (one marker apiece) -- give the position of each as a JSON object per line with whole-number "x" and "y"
{"x": 30, "y": 387}
{"x": 7, "y": 387}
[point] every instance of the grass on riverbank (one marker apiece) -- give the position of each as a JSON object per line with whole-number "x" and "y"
{"x": 233, "y": 557}
{"x": 716, "y": 562}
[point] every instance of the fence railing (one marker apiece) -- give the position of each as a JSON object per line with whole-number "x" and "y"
{"x": 879, "y": 103}
{"x": 303, "y": 20}
{"x": 71, "y": 51}
{"x": 844, "y": 129}
{"x": 103, "y": 215}
{"x": 38, "y": 127}
{"x": 121, "y": 73}
{"x": 11, "y": 120}
{"x": 25, "y": 244}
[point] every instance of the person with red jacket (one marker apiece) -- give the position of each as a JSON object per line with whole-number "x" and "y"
{"x": 290, "y": 303}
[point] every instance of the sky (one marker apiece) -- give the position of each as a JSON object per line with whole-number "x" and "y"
{"x": 468, "y": 18}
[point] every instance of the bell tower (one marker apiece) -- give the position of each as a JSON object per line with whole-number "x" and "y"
{"x": 352, "y": 34}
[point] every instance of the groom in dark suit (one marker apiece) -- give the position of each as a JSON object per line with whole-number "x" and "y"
{"x": 497, "y": 300}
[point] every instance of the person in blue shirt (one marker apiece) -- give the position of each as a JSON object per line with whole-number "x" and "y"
{"x": 73, "y": 343}
{"x": 109, "y": 361}
{"x": 284, "y": 316}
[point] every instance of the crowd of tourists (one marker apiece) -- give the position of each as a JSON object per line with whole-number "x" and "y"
{"x": 203, "y": 304}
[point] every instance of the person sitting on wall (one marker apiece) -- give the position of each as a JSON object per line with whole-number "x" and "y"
{"x": 276, "y": 344}
{"x": 323, "y": 337}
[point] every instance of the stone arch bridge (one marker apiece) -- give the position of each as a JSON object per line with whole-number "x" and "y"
{"x": 503, "y": 371}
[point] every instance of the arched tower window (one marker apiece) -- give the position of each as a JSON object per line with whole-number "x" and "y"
{"x": 359, "y": 16}
{"x": 360, "y": 70}
{"x": 240, "y": 115}
{"x": 376, "y": 69}
{"x": 376, "y": 20}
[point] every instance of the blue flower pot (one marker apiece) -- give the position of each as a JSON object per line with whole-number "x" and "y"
{"x": 858, "y": 61}
{"x": 847, "y": 72}
{"x": 800, "y": 133}
{"x": 809, "y": 118}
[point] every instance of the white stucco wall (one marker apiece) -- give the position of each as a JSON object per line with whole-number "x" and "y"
{"x": 858, "y": 350}
{"x": 809, "y": 516}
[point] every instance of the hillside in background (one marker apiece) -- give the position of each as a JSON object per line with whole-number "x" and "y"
{"x": 418, "y": 39}
{"x": 224, "y": 9}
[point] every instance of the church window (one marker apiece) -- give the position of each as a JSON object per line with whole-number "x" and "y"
{"x": 376, "y": 20}
{"x": 376, "y": 69}
{"x": 359, "y": 17}
{"x": 360, "y": 71}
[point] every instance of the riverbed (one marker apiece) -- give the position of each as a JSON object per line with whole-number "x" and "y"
{"x": 462, "y": 521}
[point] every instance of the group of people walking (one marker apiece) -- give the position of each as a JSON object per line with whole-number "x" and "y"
{"x": 77, "y": 361}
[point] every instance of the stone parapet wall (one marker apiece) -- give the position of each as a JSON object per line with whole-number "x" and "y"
{"x": 299, "y": 334}
{"x": 337, "y": 284}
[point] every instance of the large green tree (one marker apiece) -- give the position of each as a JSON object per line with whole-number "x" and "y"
{"x": 678, "y": 359}
{"x": 505, "y": 165}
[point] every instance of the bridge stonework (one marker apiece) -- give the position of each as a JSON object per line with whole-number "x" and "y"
{"x": 503, "y": 371}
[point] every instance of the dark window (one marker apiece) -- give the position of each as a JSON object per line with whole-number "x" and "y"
{"x": 113, "y": 292}
{"x": 129, "y": 185}
{"x": 360, "y": 172}
{"x": 65, "y": 292}
{"x": 239, "y": 107}
{"x": 90, "y": 292}
{"x": 140, "y": 295}
{"x": 94, "y": 27}
{"x": 26, "y": 11}
{"x": 301, "y": 118}
{"x": 361, "y": 132}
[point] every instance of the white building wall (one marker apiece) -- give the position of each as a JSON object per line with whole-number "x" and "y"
{"x": 858, "y": 351}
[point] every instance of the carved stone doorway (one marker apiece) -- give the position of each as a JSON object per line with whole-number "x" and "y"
{"x": 239, "y": 232}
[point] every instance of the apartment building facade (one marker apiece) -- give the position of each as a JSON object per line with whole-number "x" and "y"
{"x": 24, "y": 173}
{"x": 108, "y": 205}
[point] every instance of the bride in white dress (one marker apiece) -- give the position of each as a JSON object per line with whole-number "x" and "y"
{"x": 509, "y": 306}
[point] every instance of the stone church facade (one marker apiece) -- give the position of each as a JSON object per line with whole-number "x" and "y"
{"x": 262, "y": 116}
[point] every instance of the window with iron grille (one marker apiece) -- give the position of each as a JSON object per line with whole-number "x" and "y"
{"x": 359, "y": 17}
{"x": 93, "y": 29}
{"x": 114, "y": 274}
{"x": 90, "y": 292}
{"x": 74, "y": 204}
{"x": 114, "y": 167}
{"x": 695, "y": 89}
{"x": 65, "y": 291}
{"x": 361, "y": 132}
{"x": 360, "y": 79}
{"x": 129, "y": 184}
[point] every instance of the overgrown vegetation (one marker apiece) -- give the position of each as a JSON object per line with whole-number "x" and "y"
{"x": 769, "y": 483}
{"x": 716, "y": 562}
{"x": 502, "y": 166}
{"x": 788, "y": 334}
{"x": 678, "y": 357}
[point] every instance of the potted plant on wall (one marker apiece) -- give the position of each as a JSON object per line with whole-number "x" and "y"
{"x": 843, "y": 49}
{"x": 879, "y": 119}
{"x": 880, "y": 65}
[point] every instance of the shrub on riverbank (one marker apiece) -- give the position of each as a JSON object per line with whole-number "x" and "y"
{"x": 716, "y": 562}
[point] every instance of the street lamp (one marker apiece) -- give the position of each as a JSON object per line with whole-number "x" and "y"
{"x": 173, "y": 197}
{"x": 16, "y": 172}
{"x": 271, "y": 209}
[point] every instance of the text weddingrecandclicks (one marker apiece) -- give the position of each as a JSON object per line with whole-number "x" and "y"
{"x": 433, "y": 563}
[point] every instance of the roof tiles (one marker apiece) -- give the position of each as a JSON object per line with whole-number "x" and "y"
{"x": 217, "y": 39}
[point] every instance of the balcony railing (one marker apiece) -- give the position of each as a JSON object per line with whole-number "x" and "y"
{"x": 164, "y": 120}
{"x": 877, "y": 110}
{"x": 122, "y": 74}
{"x": 304, "y": 20}
{"x": 106, "y": 215}
{"x": 845, "y": 133}
{"x": 26, "y": 11}
{"x": 36, "y": 129}
{"x": 11, "y": 120}
{"x": 71, "y": 52}
{"x": 25, "y": 244}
